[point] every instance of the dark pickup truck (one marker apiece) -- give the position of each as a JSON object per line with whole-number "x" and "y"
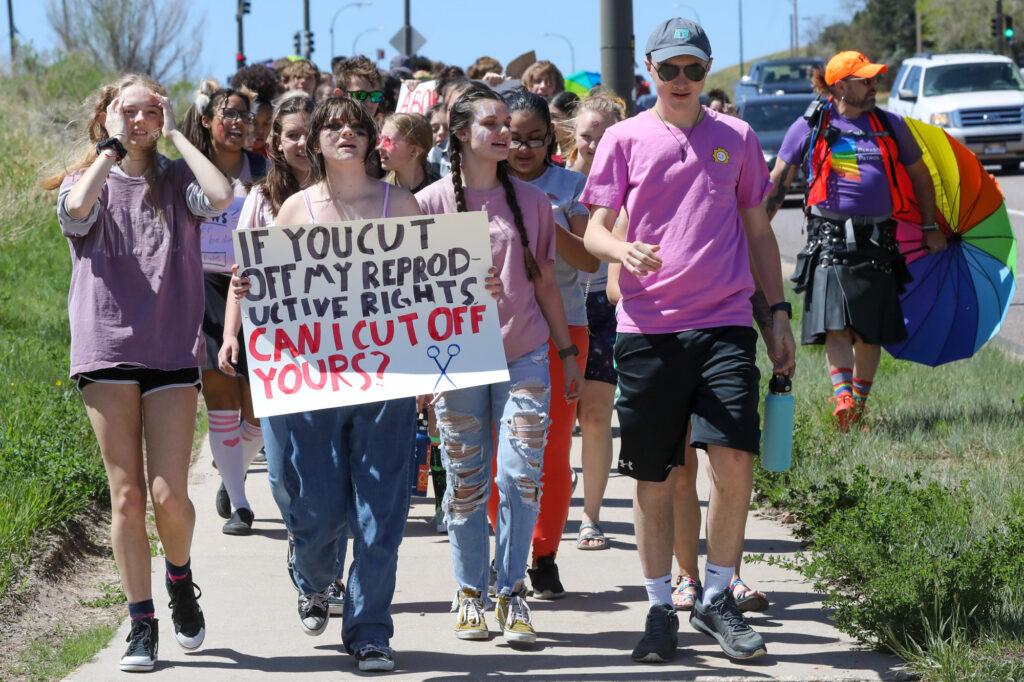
{"x": 778, "y": 77}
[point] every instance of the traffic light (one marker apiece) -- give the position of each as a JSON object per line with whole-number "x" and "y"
{"x": 997, "y": 25}
{"x": 1008, "y": 31}
{"x": 239, "y": 60}
{"x": 244, "y": 7}
{"x": 298, "y": 42}
{"x": 309, "y": 44}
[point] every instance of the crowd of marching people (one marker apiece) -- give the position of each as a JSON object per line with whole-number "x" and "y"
{"x": 605, "y": 283}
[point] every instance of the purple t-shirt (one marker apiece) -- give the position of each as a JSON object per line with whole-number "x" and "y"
{"x": 136, "y": 294}
{"x": 691, "y": 209}
{"x": 857, "y": 183}
{"x": 523, "y": 327}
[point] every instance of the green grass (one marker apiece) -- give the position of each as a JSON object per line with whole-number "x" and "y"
{"x": 960, "y": 427}
{"x": 55, "y": 657}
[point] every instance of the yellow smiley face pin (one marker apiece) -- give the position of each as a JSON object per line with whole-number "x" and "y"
{"x": 720, "y": 155}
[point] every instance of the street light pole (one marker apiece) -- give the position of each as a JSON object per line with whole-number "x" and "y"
{"x": 742, "y": 70}
{"x": 355, "y": 41}
{"x": 10, "y": 24}
{"x": 796, "y": 30}
{"x": 572, "y": 51}
{"x": 335, "y": 17}
{"x": 617, "y": 50}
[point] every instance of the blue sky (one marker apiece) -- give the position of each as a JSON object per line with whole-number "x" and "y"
{"x": 458, "y": 31}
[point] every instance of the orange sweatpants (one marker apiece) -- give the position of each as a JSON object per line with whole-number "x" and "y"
{"x": 556, "y": 479}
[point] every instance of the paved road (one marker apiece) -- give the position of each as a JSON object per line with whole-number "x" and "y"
{"x": 253, "y": 631}
{"x": 788, "y": 226}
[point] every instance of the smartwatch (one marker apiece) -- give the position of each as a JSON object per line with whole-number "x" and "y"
{"x": 114, "y": 144}
{"x": 783, "y": 306}
{"x": 568, "y": 352}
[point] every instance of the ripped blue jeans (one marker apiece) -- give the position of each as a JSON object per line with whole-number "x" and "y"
{"x": 516, "y": 412}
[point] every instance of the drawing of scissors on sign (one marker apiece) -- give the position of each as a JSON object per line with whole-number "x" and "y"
{"x": 435, "y": 354}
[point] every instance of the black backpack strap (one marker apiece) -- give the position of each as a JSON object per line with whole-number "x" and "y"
{"x": 257, "y": 165}
{"x": 816, "y": 120}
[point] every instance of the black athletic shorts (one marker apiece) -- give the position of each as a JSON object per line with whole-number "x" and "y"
{"x": 148, "y": 380}
{"x": 705, "y": 377}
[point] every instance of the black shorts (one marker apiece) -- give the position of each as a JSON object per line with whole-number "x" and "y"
{"x": 601, "y": 322}
{"x": 216, "y": 288}
{"x": 148, "y": 380}
{"x": 705, "y": 377}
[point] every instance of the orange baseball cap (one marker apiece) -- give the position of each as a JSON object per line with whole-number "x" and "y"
{"x": 851, "y": 63}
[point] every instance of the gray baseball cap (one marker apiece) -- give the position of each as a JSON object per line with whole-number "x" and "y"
{"x": 675, "y": 37}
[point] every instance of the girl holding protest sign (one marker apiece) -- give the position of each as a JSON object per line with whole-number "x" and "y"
{"x": 522, "y": 231}
{"x": 404, "y": 142}
{"x": 218, "y": 124}
{"x": 530, "y": 150}
{"x": 132, "y": 219}
{"x": 333, "y": 470}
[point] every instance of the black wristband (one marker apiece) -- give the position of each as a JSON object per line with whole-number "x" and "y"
{"x": 783, "y": 306}
{"x": 569, "y": 351}
{"x": 114, "y": 144}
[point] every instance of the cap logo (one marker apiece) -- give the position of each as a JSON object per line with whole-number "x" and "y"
{"x": 681, "y": 34}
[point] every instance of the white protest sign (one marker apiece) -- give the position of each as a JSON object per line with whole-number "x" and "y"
{"x": 216, "y": 240}
{"x": 418, "y": 100}
{"x": 368, "y": 310}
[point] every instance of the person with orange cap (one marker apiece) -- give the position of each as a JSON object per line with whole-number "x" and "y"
{"x": 862, "y": 164}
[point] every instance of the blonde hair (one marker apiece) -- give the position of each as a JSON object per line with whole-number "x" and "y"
{"x": 93, "y": 132}
{"x": 603, "y": 102}
{"x": 534, "y": 72}
{"x": 301, "y": 68}
{"x": 415, "y": 128}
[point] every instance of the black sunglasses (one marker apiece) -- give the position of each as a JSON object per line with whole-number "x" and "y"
{"x": 374, "y": 96}
{"x": 693, "y": 72}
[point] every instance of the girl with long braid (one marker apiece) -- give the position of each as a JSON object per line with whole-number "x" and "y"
{"x": 522, "y": 233}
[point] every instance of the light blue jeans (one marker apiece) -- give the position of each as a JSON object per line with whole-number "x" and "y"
{"x": 334, "y": 472}
{"x": 516, "y": 412}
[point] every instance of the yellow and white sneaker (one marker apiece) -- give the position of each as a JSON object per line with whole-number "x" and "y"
{"x": 470, "y": 622}
{"x": 514, "y": 620}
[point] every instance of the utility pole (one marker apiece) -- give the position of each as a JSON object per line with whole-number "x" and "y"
{"x": 917, "y": 28}
{"x": 306, "y": 30}
{"x": 1000, "y": 38}
{"x": 407, "y": 29}
{"x": 618, "y": 48}
{"x": 742, "y": 70}
{"x": 10, "y": 24}
{"x": 796, "y": 30}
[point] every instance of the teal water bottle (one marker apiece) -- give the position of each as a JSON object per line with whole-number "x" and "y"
{"x": 777, "y": 448}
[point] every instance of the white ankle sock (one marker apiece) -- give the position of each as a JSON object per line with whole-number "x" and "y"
{"x": 716, "y": 581}
{"x": 659, "y": 590}
{"x": 226, "y": 444}
{"x": 252, "y": 441}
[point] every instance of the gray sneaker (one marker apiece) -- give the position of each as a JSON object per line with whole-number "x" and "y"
{"x": 722, "y": 620}
{"x": 313, "y": 613}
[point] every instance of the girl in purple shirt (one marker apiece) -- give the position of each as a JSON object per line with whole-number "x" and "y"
{"x": 136, "y": 307}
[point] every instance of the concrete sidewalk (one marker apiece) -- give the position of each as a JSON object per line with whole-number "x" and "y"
{"x": 253, "y": 631}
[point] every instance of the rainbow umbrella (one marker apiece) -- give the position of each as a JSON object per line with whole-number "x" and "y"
{"x": 958, "y": 299}
{"x": 581, "y": 82}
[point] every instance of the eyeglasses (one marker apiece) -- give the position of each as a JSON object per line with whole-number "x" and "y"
{"x": 693, "y": 72}
{"x": 229, "y": 114}
{"x": 528, "y": 144}
{"x": 374, "y": 96}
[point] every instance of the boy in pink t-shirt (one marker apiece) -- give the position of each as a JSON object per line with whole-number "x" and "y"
{"x": 692, "y": 183}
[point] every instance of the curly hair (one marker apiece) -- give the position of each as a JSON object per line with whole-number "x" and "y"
{"x": 261, "y": 80}
{"x": 300, "y": 68}
{"x": 483, "y": 66}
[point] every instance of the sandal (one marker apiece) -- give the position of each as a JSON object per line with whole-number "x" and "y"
{"x": 591, "y": 533}
{"x": 687, "y": 591}
{"x": 747, "y": 599}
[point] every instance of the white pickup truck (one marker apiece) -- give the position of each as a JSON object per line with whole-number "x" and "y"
{"x": 977, "y": 98}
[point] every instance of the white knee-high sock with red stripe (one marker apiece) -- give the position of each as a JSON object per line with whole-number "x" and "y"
{"x": 252, "y": 441}
{"x": 226, "y": 444}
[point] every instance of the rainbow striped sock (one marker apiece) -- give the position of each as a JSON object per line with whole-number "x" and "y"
{"x": 861, "y": 390}
{"x": 842, "y": 381}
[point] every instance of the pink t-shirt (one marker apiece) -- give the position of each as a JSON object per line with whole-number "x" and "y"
{"x": 691, "y": 209}
{"x": 523, "y": 327}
